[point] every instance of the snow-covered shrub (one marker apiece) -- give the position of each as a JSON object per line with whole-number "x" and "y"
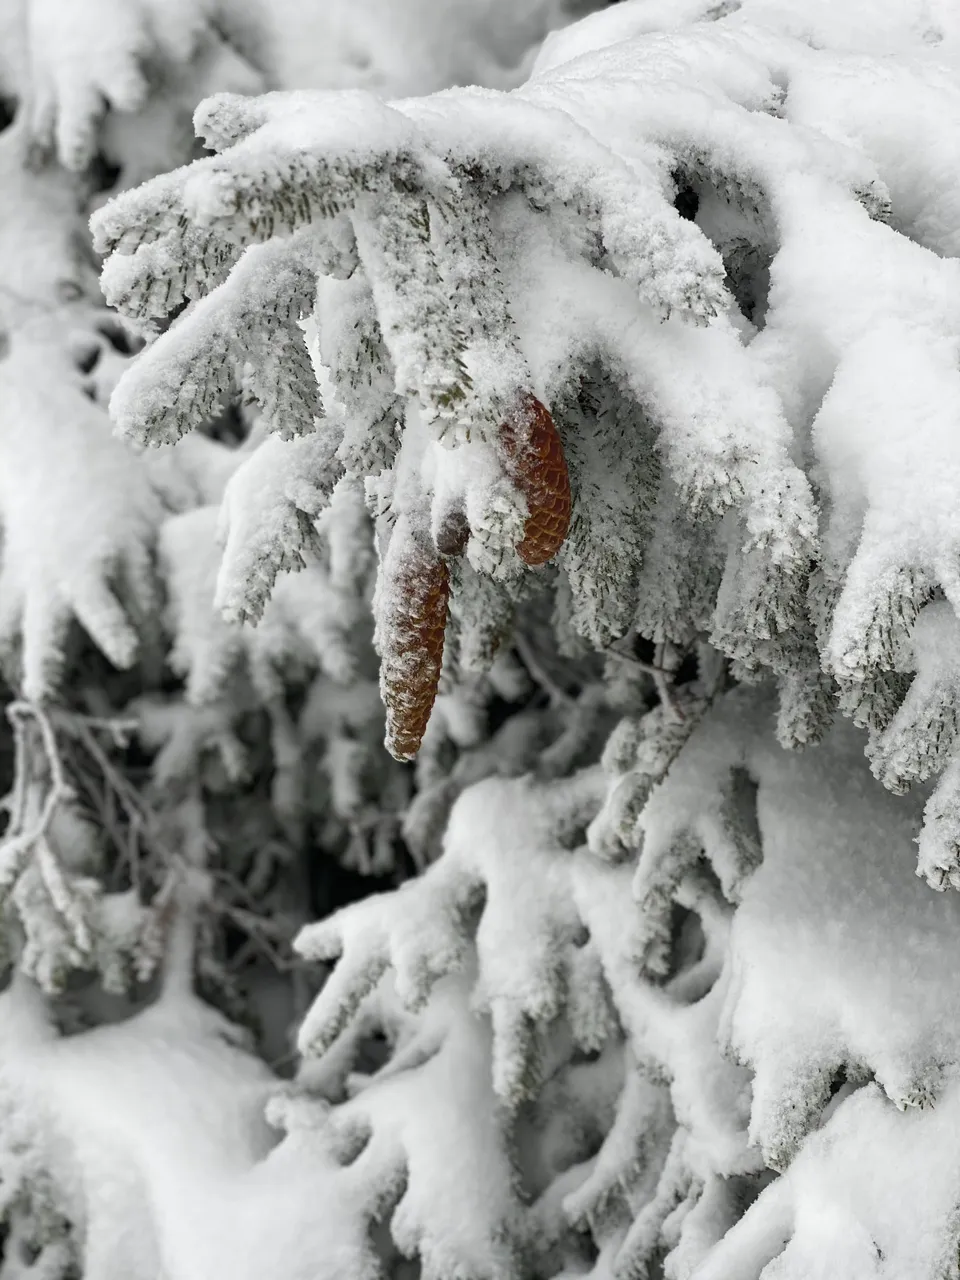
{"x": 263, "y": 767}
{"x": 607, "y": 422}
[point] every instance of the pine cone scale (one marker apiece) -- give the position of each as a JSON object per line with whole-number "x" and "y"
{"x": 414, "y": 629}
{"x": 535, "y": 462}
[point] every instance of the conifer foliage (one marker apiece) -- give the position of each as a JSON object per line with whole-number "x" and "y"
{"x": 544, "y": 488}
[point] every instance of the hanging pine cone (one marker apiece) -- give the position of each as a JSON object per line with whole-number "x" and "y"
{"x": 413, "y": 616}
{"x": 452, "y": 532}
{"x": 533, "y": 459}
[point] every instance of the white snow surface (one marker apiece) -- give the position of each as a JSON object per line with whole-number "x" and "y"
{"x": 816, "y": 1030}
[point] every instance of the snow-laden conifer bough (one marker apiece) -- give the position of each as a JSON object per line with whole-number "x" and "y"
{"x": 636, "y": 389}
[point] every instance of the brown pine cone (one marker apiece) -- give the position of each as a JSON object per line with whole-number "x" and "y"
{"x": 416, "y": 588}
{"x": 533, "y": 458}
{"x": 452, "y": 532}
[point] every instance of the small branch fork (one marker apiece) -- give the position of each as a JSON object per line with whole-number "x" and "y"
{"x": 663, "y": 669}
{"x": 84, "y": 729}
{"x": 539, "y": 673}
{"x": 46, "y": 739}
{"x": 31, "y": 819}
{"x": 28, "y": 834}
{"x": 20, "y": 838}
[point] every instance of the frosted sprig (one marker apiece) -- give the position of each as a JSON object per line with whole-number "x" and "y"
{"x": 425, "y": 931}
{"x": 266, "y": 521}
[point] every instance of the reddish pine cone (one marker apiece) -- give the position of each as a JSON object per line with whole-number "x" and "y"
{"x": 414, "y": 616}
{"x": 533, "y": 458}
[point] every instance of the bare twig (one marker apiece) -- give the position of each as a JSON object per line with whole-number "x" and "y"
{"x": 543, "y": 677}
{"x": 76, "y": 748}
{"x": 663, "y": 669}
{"x": 26, "y": 837}
{"x": 139, "y": 818}
{"x": 20, "y": 840}
{"x": 17, "y": 799}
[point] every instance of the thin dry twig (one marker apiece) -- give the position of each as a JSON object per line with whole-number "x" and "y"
{"x": 539, "y": 673}
{"x": 20, "y": 839}
{"x": 666, "y": 662}
{"x": 25, "y": 837}
{"x": 140, "y": 821}
{"x": 75, "y": 748}
{"x": 663, "y": 669}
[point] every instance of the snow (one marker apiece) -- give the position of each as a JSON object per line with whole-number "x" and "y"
{"x": 396, "y": 52}
{"x": 521, "y": 983}
{"x": 309, "y": 623}
{"x": 664, "y": 257}
{"x": 689, "y": 1008}
{"x": 264, "y": 522}
{"x": 929, "y": 29}
{"x": 835, "y": 971}
{"x": 88, "y": 56}
{"x": 844, "y": 1201}
{"x": 903, "y": 116}
{"x": 57, "y": 455}
{"x": 187, "y": 373}
{"x": 442, "y": 1124}
{"x": 158, "y": 1140}
{"x": 904, "y": 383}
